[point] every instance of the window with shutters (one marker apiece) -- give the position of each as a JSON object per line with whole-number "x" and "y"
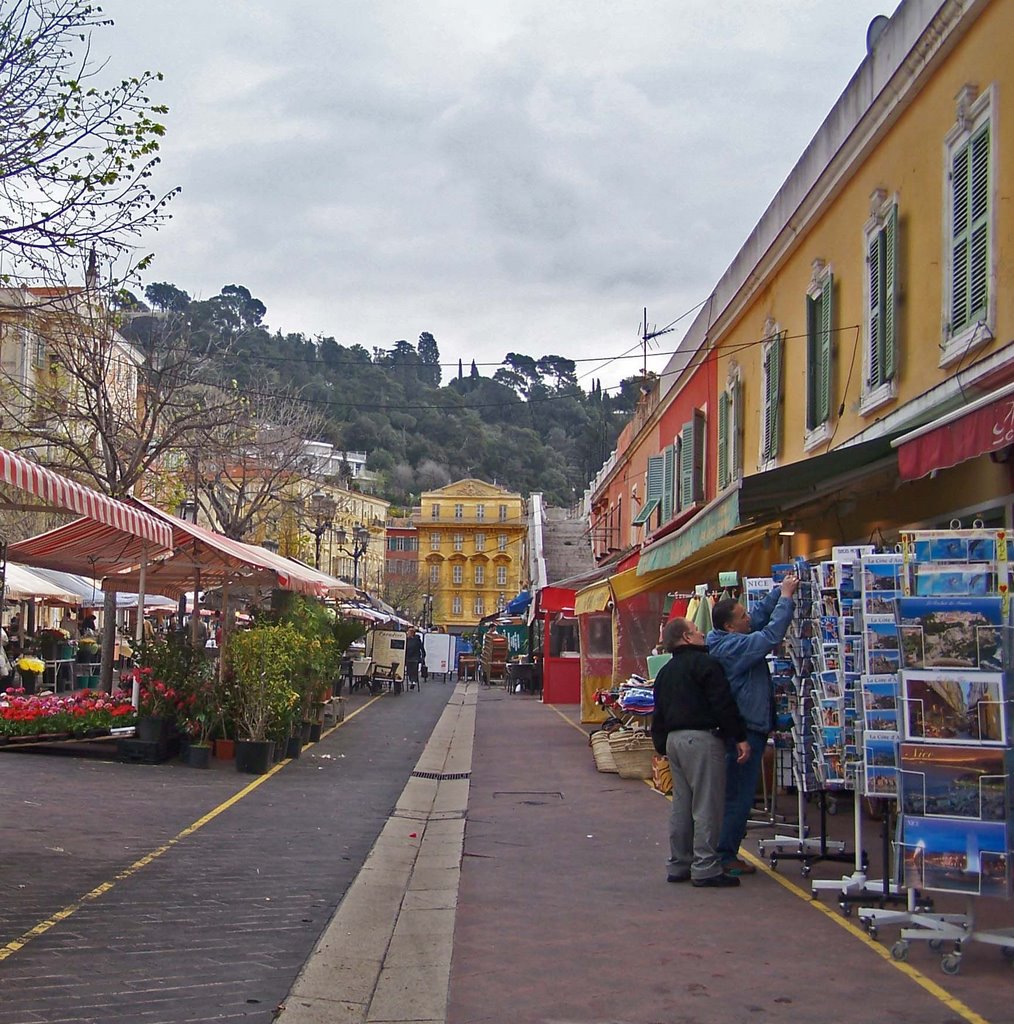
{"x": 434, "y": 511}
{"x": 457, "y": 574}
{"x": 480, "y": 575}
{"x": 434, "y": 574}
{"x": 480, "y": 542}
{"x": 652, "y": 494}
{"x": 479, "y": 607}
{"x": 480, "y": 512}
{"x": 501, "y": 542}
{"x": 819, "y": 354}
{"x": 456, "y": 605}
{"x": 730, "y": 432}
{"x": 969, "y": 265}
{"x": 459, "y": 511}
{"x": 501, "y": 575}
{"x": 434, "y": 542}
{"x": 691, "y": 461}
{"x": 668, "y": 481}
{"x": 459, "y": 542}
{"x": 880, "y": 327}
{"x": 771, "y": 406}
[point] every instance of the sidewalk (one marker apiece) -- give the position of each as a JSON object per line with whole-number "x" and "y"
{"x": 557, "y": 908}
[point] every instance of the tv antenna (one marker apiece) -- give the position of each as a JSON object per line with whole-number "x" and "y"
{"x": 647, "y": 336}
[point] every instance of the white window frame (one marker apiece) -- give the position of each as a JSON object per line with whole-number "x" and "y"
{"x": 479, "y": 575}
{"x": 434, "y": 511}
{"x": 434, "y": 541}
{"x": 871, "y": 399}
{"x": 973, "y": 112}
{"x": 480, "y": 542}
{"x": 459, "y": 511}
{"x": 501, "y": 575}
{"x": 456, "y": 605}
{"x": 502, "y": 541}
{"x": 457, "y": 574}
{"x": 434, "y": 574}
{"x": 503, "y": 513}
{"x": 459, "y": 542}
{"x": 479, "y": 606}
{"x": 480, "y": 512}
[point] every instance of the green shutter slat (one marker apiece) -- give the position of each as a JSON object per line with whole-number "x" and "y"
{"x": 824, "y": 350}
{"x": 723, "y": 440}
{"x": 889, "y": 343}
{"x": 877, "y": 327}
{"x": 687, "y": 465}
{"x": 668, "y": 481}
{"x": 645, "y": 513}
{"x": 812, "y": 371}
{"x": 655, "y": 474}
{"x": 775, "y": 392}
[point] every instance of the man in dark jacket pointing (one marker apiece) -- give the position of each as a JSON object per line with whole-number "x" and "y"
{"x": 694, "y": 715}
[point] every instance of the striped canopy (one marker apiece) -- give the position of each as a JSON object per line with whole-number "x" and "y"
{"x": 60, "y": 494}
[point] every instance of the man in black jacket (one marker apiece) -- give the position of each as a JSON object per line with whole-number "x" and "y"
{"x": 695, "y": 714}
{"x": 415, "y": 655}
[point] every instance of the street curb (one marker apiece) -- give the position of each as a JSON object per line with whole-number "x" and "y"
{"x": 386, "y": 953}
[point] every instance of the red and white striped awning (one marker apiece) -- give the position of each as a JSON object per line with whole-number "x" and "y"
{"x": 60, "y": 494}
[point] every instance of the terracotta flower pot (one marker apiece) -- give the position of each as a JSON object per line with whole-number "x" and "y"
{"x": 225, "y": 750}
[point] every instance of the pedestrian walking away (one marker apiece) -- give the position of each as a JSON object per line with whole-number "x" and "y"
{"x": 695, "y": 716}
{"x": 414, "y": 655}
{"x": 741, "y": 642}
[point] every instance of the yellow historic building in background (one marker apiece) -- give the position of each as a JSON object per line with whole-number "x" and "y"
{"x": 471, "y": 550}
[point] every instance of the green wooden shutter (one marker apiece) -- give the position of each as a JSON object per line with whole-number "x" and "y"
{"x": 889, "y": 342}
{"x": 959, "y": 239}
{"x": 699, "y": 432}
{"x": 655, "y": 473}
{"x": 812, "y": 372}
{"x": 824, "y": 348}
{"x": 875, "y": 266}
{"x": 772, "y": 397}
{"x": 978, "y": 284}
{"x": 668, "y": 481}
{"x": 736, "y": 433}
{"x": 687, "y": 465}
{"x": 723, "y": 440}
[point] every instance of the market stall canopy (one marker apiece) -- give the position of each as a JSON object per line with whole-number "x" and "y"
{"x": 90, "y": 591}
{"x": 200, "y": 554}
{"x": 333, "y": 587}
{"x": 24, "y": 585}
{"x": 985, "y": 426}
{"x": 56, "y": 492}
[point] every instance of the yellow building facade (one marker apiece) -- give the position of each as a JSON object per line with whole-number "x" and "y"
{"x": 471, "y": 550}
{"x": 870, "y": 303}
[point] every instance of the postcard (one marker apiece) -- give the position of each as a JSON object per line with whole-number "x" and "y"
{"x": 982, "y": 549}
{"x": 957, "y": 855}
{"x": 954, "y": 707}
{"x": 830, "y": 712}
{"x": 883, "y": 662}
{"x": 879, "y": 604}
{"x": 880, "y": 749}
{"x": 975, "y": 579}
{"x": 947, "y": 548}
{"x": 881, "y": 719}
{"x": 877, "y": 694}
{"x": 956, "y": 782}
{"x": 883, "y": 573}
{"x": 851, "y": 552}
{"x": 882, "y": 782}
{"x": 955, "y": 632}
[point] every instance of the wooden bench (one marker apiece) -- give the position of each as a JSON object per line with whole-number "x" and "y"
{"x": 381, "y": 675}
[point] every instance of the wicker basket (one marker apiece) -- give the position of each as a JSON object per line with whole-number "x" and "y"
{"x": 633, "y": 753}
{"x": 602, "y": 752}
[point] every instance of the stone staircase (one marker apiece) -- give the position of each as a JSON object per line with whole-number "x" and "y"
{"x": 566, "y": 545}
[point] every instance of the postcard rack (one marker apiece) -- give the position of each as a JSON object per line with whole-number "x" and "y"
{"x": 953, "y": 758}
{"x": 796, "y": 716}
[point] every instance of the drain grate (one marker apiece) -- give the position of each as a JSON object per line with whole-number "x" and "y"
{"x": 441, "y": 776}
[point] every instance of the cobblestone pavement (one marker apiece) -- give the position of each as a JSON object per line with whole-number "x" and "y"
{"x": 115, "y": 907}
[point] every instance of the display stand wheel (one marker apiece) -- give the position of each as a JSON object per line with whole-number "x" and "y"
{"x": 899, "y": 951}
{"x": 872, "y": 931}
{"x": 936, "y": 944}
{"x": 951, "y": 963}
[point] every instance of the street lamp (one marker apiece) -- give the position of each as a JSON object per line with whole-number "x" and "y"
{"x": 360, "y": 540}
{"x": 322, "y": 507}
{"x": 427, "y": 615}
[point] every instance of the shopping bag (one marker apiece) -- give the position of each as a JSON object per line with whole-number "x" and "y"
{"x": 661, "y": 774}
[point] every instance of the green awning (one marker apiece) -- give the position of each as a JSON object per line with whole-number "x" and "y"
{"x": 711, "y": 523}
{"x": 642, "y": 517}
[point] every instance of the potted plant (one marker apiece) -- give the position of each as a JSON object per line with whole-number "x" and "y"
{"x": 261, "y": 660}
{"x": 30, "y": 668}
{"x": 200, "y": 704}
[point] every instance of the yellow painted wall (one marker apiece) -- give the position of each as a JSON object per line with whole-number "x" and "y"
{"x": 470, "y": 495}
{"x": 908, "y": 162}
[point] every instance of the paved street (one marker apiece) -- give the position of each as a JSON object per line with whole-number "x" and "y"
{"x": 217, "y": 926}
{"x": 462, "y": 863}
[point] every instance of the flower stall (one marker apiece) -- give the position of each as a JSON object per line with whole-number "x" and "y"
{"x": 30, "y": 718}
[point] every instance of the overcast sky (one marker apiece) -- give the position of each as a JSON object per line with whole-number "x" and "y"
{"x": 509, "y": 176}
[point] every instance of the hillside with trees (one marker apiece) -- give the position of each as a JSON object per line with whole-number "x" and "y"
{"x": 529, "y": 426}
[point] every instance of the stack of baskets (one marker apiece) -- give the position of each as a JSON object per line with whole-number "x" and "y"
{"x": 602, "y": 751}
{"x": 632, "y": 752}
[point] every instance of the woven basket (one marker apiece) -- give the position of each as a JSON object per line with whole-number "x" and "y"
{"x": 633, "y": 753}
{"x": 603, "y": 752}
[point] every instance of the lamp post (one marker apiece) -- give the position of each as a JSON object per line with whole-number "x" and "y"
{"x": 322, "y": 508}
{"x": 427, "y": 615}
{"x": 187, "y": 511}
{"x": 360, "y": 540}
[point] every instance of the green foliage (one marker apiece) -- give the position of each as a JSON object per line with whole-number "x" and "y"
{"x": 264, "y": 661}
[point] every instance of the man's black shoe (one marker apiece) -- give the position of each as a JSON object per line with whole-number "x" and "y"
{"x": 679, "y": 878}
{"x": 716, "y": 882}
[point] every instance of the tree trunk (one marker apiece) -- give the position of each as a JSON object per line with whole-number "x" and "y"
{"x": 108, "y": 641}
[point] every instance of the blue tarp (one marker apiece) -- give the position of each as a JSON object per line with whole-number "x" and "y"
{"x": 519, "y": 604}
